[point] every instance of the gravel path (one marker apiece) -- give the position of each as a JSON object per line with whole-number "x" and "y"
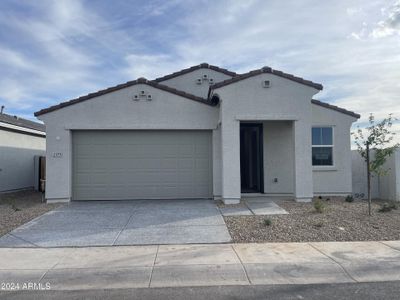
{"x": 20, "y": 207}
{"x": 341, "y": 221}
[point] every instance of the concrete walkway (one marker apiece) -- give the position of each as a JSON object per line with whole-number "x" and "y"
{"x": 201, "y": 265}
{"x": 256, "y": 206}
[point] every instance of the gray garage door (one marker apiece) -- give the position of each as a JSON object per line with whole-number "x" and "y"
{"x": 117, "y": 165}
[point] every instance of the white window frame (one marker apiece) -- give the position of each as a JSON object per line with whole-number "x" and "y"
{"x": 332, "y": 166}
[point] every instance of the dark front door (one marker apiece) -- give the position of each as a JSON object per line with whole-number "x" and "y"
{"x": 251, "y": 158}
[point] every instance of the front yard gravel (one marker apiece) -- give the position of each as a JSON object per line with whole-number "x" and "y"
{"x": 341, "y": 221}
{"x": 20, "y": 207}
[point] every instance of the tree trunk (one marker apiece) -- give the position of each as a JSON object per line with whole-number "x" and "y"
{"x": 369, "y": 181}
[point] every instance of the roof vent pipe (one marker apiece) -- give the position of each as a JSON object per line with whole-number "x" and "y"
{"x": 2, "y": 109}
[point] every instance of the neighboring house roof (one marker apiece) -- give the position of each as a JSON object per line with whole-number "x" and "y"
{"x": 268, "y": 70}
{"x": 337, "y": 108}
{"x": 20, "y": 122}
{"x": 122, "y": 86}
{"x": 191, "y": 69}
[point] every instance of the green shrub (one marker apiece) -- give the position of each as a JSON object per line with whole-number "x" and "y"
{"x": 267, "y": 222}
{"x": 319, "y": 206}
{"x": 349, "y": 198}
{"x": 388, "y": 206}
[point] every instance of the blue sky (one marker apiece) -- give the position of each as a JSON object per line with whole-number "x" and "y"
{"x": 52, "y": 51}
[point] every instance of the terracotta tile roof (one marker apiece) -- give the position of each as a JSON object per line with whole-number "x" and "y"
{"x": 122, "y": 86}
{"x": 337, "y": 108}
{"x": 17, "y": 121}
{"x": 191, "y": 69}
{"x": 266, "y": 70}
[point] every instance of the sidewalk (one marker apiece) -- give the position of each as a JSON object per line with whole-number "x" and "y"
{"x": 201, "y": 265}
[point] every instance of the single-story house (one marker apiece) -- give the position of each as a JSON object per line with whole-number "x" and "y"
{"x": 20, "y": 141}
{"x": 202, "y": 132}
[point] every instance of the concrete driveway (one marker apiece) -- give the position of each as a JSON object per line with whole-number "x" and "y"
{"x": 108, "y": 223}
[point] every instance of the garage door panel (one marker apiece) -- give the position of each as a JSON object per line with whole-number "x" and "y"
{"x": 168, "y": 163}
{"x": 185, "y": 150}
{"x": 154, "y": 177}
{"x": 201, "y": 151}
{"x": 186, "y": 177}
{"x": 141, "y": 164}
{"x": 84, "y": 178}
{"x": 201, "y": 163}
{"x": 187, "y": 163}
{"x": 136, "y": 164}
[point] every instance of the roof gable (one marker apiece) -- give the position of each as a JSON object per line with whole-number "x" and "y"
{"x": 122, "y": 86}
{"x": 268, "y": 70}
{"x": 194, "y": 68}
{"x": 155, "y": 84}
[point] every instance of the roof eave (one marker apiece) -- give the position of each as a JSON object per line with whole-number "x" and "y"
{"x": 21, "y": 122}
{"x": 194, "y": 68}
{"x": 336, "y": 108}
{"x": 267, "y": 70}
{"x": 119, "y": 87}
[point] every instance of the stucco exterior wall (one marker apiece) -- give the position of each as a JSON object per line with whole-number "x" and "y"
{"x": 386, "y": 186}
{"x": 187, "y": 82}
{"x": 248, "y": 100}
{"x": 17, "y": 151}
{"x": 217, "y": 163}
{"x": 116, "y": 110}
{"x": 389, "y": 183}
{"x": 278, "y": 157}
{"x": 359, "y": 178}
{"x": 336, "y": 179}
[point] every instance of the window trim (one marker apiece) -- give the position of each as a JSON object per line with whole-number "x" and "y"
{"x": 325, "y": 167}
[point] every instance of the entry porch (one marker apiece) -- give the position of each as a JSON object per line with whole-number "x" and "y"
{"x": 266, "y": 157}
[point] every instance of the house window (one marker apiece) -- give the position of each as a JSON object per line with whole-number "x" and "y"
{"x": 322, "y": 146}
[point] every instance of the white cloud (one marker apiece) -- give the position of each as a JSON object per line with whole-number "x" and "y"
{"x": 50, "y": 61}
{"x": 79, "y": 47}
{"x": 352, "y": 11}
{"x": 391, "y": 24}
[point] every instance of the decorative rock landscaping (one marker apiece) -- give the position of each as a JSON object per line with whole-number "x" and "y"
{"x": 339, "y": 221}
